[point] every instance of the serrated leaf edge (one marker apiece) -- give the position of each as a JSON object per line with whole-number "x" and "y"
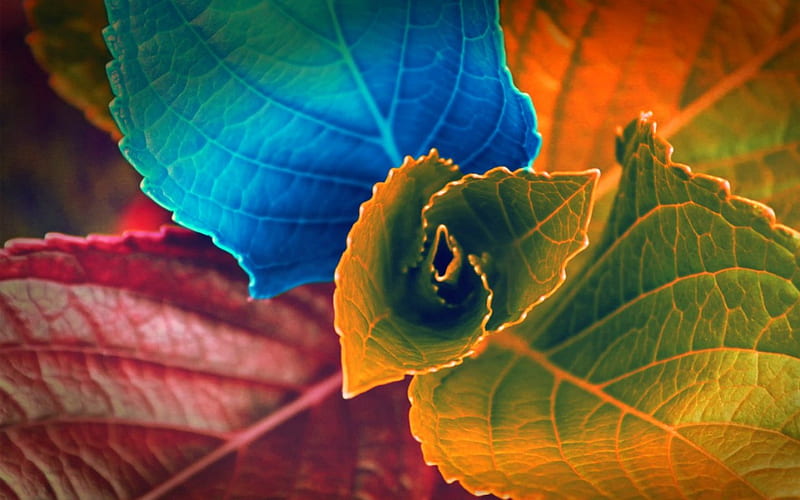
{"x": 408, "y": 160}
{"x": 724, "y": 188}
{"x": 519, "y": 346}
{"x": 480, "y": 343}
{"x": 593, "y": 175}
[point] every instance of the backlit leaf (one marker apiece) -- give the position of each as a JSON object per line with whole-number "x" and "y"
{"x": 266, "y": 125}
{"x": 68, "y": 43}
{"x": 138, "y": 366}
{"x": 437, "y": 260}
{"x": 671, "y": 369}
{"x": 722, "y": 77}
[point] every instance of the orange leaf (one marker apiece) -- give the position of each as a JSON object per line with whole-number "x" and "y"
{"x": 67, "y": 42}
{"x": 722, "y": 77}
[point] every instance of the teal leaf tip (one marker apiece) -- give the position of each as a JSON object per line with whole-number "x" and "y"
{"x": 265, "y": 124}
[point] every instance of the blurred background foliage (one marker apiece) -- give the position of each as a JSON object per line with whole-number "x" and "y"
{"x": 58, "y": 173}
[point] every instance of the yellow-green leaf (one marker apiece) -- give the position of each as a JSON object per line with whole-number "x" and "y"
{"x": 67, "y": 42}
{"x": 436, "y": 261}
{"x": 671, "y": 368}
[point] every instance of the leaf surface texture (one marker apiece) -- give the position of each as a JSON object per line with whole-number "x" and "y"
{"x": 138, "y": 366}
{"x": 266, "y": 126}
{"x": 722, "y": 78}
{"x": 438, "y": 260}
{"x": 671, "y": 368}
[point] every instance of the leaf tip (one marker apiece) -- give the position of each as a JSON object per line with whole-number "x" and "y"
{"x": 357, "y": 382}
{"x": 593, "y": 173}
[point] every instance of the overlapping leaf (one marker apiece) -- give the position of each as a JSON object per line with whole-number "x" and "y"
{"x": 671, "y": 369}
{"x": 437, "y": 260}
{"x": 722, "y": 77}
{"x": 267, "y": 126}
{"x": 67, "y": 42}
{"x": 139, "y": 366}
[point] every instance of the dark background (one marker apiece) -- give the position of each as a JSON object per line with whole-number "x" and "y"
{"x": 58, "y": 173}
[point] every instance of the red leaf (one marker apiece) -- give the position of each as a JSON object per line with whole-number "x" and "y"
{"x": 142, "y": 214}
{"x": 137, "y": 365}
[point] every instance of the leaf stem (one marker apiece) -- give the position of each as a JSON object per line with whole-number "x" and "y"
{"x": 311, "y": 397}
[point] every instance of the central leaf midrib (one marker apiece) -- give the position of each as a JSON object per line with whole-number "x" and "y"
{"x": 110, "y": 421}
{"x": 600, "y": 322}
{"x": 384, "y": 127}
{"x": 601, "y": 259}
{"x": 235, "y": 153}
{"x": 169, "y": 363}
{"x": 728, "y": 83}
{"x": 686, "y": 354}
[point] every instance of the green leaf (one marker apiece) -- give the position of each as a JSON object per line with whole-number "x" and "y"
{"x": 722, "y": 77}
{"x": 771, "y": 177}
{"x": 67, "y": 42}
{"x": 670, "y": 369}
{"x": 437, "y": 260}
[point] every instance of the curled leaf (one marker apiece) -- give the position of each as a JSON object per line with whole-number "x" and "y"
{"x": 671, "y": 368}
{"x": 437, "y": 260}
{"x": 267, "y": 126}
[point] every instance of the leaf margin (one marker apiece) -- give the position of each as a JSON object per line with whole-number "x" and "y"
{"x": 521, "y": 345}
{"x": 591, "y": 178}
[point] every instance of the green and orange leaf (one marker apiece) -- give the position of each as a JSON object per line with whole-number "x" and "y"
{"x": 670, "y": 369}
{"x": 436, "y": 261}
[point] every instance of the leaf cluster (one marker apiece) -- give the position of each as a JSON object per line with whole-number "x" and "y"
{"x": 662, "y": 362}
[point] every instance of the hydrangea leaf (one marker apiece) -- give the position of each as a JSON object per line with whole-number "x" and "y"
{"x": 67, "y": 42}
{"x": 726, "y": 90}
{"x": 137, "y": 366}
{"x": 672, "y": 369}
{"x": 266, "y": 125}
{"x": 437, "y": 260}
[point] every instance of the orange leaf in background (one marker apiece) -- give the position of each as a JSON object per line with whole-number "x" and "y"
{"x": 667, "y": 367}
{"x": 722, "y": 77}
{"x": 67, "y": 42}
{"x": 57, "y": 172}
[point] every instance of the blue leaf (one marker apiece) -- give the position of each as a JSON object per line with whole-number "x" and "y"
{"x": 265, "y": 124}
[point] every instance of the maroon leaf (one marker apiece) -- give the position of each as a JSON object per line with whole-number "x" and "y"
{"x": 138, "y": 366}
